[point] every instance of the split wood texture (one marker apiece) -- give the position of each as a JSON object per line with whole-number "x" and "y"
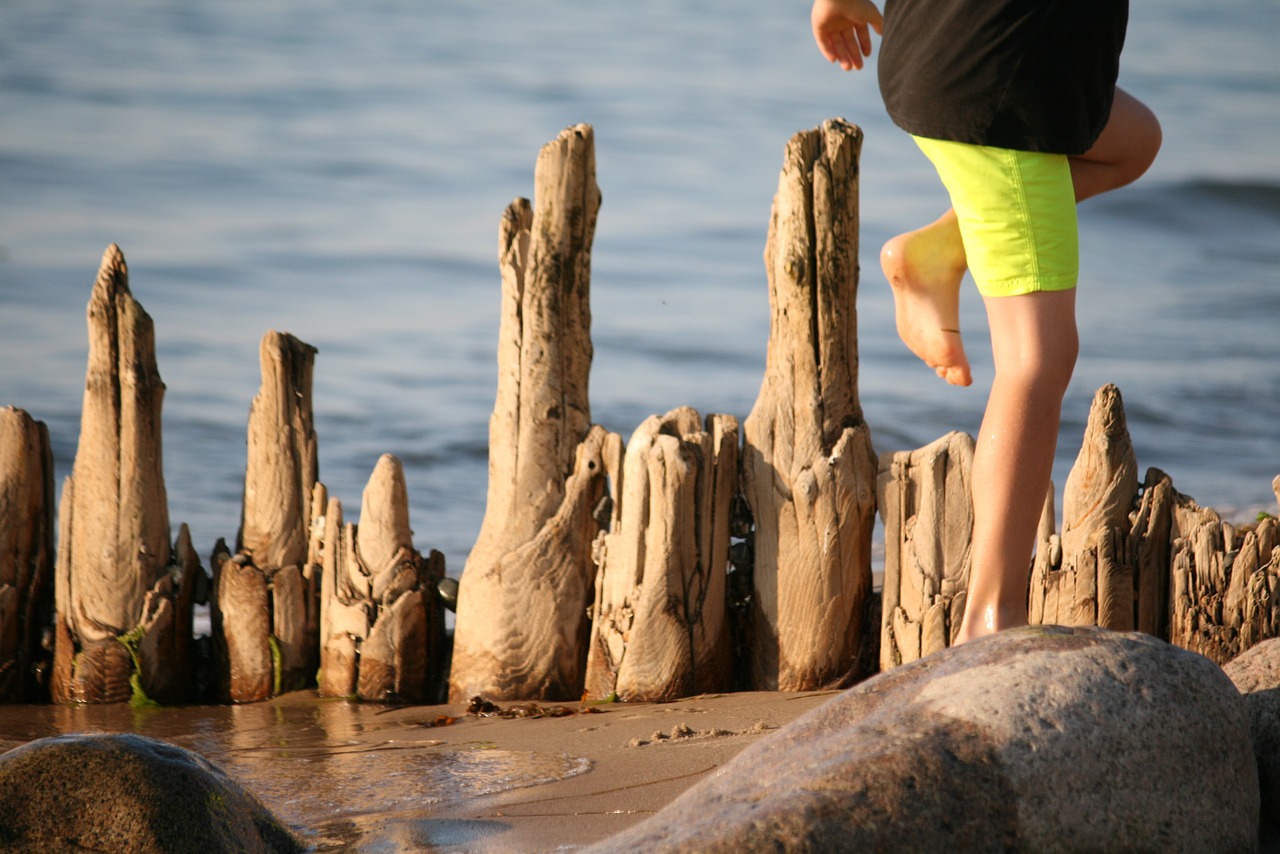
{"x": 1152, "y": 559}
{"x": 660, "y": 628}
{"x": 114, "y": 550}
{"x": 265, "y": 596}
{"x": 809, "y": 471}
{"x": 382, "y": 628}
{"x": 1085, "y": 576}
{"x": 1225, "y": 594}
{"x": 26, "y": 553}
{"x": 927, "y": 509}
{"x": 522, "y": 605}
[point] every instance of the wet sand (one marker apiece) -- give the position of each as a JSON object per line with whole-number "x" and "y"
{"x": 433, "y": 778}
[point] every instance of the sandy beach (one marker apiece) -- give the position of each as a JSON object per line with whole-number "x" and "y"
{"x": 364, "y": 777}
{"x": 638, "y": 757}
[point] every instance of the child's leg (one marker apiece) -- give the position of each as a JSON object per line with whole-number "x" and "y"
{"x": 925, "y": 266}
{"x": 1034, "y": 344}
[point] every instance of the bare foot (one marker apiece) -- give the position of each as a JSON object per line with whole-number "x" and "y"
{"x": 925, "y": 267}
{"x": 987, "y": 621}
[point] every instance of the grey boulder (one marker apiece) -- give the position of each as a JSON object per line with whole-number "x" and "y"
{"x": 1036, "y": 739}
{"x": 128, "y": 793}
{"x": 1256, "y": 672}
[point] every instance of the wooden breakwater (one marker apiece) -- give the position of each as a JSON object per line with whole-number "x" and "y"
{"x": 1131, "y": 555}
{"x": 699, "y": 554}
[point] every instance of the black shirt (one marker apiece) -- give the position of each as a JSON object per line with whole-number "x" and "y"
{"x": 1034, "y": 75}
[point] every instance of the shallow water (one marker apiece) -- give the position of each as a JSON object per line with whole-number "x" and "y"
{"x": 325, "y": 767}
{"x": 338, "y": 171}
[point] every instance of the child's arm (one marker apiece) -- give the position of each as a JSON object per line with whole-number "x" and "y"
{"x": 840, "y": 29}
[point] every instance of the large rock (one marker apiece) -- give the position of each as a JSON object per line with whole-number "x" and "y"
{"x": 1038, "y": 739}
{"x": 127, "y": 793}
{"x": 1256, "y": 672}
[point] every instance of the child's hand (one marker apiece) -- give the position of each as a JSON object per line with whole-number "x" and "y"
{"x": 840, "y": 29}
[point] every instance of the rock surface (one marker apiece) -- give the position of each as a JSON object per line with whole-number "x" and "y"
{"x": 127, "y": 793}
{"x": 1256, "y": 673}
{"x": 1037, "y": 739}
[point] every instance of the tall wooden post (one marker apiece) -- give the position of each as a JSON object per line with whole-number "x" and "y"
{"x": 511, "y": 641}
{"x": 114, "y": 519}
{"x": 264, "y": 593}
{"x": 26, "y": 553}
{"x": 809, "y": 471}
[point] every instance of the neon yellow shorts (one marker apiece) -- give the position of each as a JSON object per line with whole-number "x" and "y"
{"x": 1017, "y": 214}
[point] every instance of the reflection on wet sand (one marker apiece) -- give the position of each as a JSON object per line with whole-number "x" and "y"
{"x": 331, "y": 769}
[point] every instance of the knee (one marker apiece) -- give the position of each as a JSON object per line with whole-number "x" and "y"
{"x": 1146, "y": 141}
{"x": 1044, "y": 368}
{"x": 1053, "y": 367}
{"x": 1141, "y": 133}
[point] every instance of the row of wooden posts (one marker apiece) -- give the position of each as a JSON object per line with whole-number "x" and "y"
{"x": 699, "y": 555}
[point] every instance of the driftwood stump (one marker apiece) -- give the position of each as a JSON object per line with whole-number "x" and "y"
{"x": 502, "y": 645}
{"x": 265, "y": 595}
{"x": 1225, "y": 594}
{"x": 162, "y": 643}
{"x": 381, "y": 623}
{"x": 1150, "y": 543}
{"x": 808, "y": 468}
{"x": 1093, "y": 582}
{"x": 926, "y": 504}
{"x": 660, "y": 627}
{"x": 528, "y": 613}
{"x": 114, "y": 519}
{"x": 26, "y": 555}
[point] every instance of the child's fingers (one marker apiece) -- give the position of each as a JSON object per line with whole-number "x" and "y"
{"x": 840, "y": 47}
{"x": 852, "y": 50}
{"x": 827, "y": 47}
{"x": 864, "y": 39}
{"x": 842, "y": 38}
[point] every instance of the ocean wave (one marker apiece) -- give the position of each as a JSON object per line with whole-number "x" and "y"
{"x": 1197, "y": 199}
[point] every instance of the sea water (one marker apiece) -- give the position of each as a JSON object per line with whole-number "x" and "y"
{"x": 338, "y": 171}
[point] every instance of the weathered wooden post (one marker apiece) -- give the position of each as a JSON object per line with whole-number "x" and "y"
{"x": 1225, "y": 593}
{"x": 161, "y": 643}
{"x": 1255, "y": 609}
{"x": 659, "y": 623}
{"x": 114, "y": 549}
{"x": 381, "y": 623}
{"x": 1150, "y": 542}
{"x": 809, "y": 470}
{"x": 926, "y": 504}
{"x": 1093, "y": 585}
{"x": 26, "y": 554}
{"x": 522, "y": 616}
{"x": 264, "y": 595}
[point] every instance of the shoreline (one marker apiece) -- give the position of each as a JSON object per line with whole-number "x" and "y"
{"x": 348, "y": 775}
{"x": 631, "y": 776}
